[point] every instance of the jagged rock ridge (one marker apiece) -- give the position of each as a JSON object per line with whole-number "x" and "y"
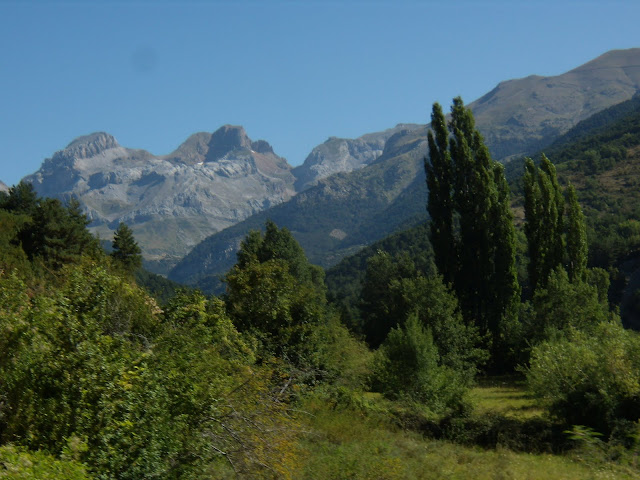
{"x": 171, "y": 202}
{"x": 343, "y": 155}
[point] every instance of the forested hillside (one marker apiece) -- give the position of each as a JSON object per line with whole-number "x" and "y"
{"x": 600, "y": 157}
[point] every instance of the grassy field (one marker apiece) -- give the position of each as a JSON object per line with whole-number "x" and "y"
{"x": 504, "y": 396}
{"x": 367, "y": 439}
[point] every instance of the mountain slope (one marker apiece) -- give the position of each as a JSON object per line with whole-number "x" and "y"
{"x": 521, "y": 116}
{"x": 338, "y": 216}
{"x": 607, "y": 191}
{"x": 343, "y": 155}
{"x": 171, "y": 202}
{"x": 517, "y": 116}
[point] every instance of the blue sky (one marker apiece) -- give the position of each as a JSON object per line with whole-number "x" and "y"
{"x": 292, "y": 73}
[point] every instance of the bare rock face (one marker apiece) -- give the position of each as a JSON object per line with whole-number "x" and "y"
{"x": 171, "y": 202}
{"x": 343, "y": 155}
{"x": 3, "y": 187}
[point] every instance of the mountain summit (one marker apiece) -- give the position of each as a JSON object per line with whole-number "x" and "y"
{"x": 171, "y": 202}
{"x": 351, "y": 191}
{"x": 90, "y": 145}
{"x": 521, "y": 116}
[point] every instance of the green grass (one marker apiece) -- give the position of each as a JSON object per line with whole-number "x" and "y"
{"x": 505, "y": 396}
{"x": 363, "y": 439}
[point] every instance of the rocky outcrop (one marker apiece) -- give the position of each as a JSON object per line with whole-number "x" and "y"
{"x": 3, "y": 187}
{"x": 343, "y": 155}
{"x": 171, "y": 202}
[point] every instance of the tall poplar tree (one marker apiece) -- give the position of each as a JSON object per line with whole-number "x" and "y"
{"x": 440, "y": 203}
{"x": 544, "y": 223}
{"x": 577, "y": 249}
{"x": 470, "y": 189}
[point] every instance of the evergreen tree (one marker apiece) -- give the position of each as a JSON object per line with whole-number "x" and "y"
{"x": 50, "y": 232}
{"x": 125, "y": 249}
{"x": 21, "y": 198}
{"x": 577, "y": 249}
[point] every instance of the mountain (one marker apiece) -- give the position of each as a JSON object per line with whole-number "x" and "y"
{"x": 337, "y": 217}
{"x": 347, "y": 211}
{"x": 343, "y": 155}
{"x": 601, "y": 157}
{"x": 171, "y": 202}
{"x": 3, "y": 187}
{"x": 521, "y": 116}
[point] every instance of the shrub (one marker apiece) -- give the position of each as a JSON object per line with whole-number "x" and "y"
{"x": 590, "y": 379}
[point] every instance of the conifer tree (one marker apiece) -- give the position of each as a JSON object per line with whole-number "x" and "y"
{"x": 577, "y": 249}
{"x": 125, "y": 249}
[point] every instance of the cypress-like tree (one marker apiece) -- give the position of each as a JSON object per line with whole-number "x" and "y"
{"x": 125, "y": 249}
{"x": 440, "y": 204}
{"x": 505, "y": 286}
{"x": 473, "y": 193}
{"x": 544, "y": 227}
{"x": 577, "y": 249}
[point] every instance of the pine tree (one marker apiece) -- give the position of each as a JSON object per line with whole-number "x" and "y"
{"x": 125, "y": 249}
{"x": 577, "y": 248}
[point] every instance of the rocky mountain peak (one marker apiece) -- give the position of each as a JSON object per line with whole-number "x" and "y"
{"x": 3, "y": 187}
{"x": 261, "y": 146}
{"x": 90, "y": 145}
{"x": 225, "y": 140}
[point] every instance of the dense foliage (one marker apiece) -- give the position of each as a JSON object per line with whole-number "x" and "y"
{"x": 472, "y": 229}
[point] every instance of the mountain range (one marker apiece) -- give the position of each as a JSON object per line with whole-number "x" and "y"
{"x": 348, "y": 192}
{"x": 211, "y": 181}
{"x": 347, "y": 211}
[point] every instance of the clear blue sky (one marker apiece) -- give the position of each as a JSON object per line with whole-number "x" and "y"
{"x": 292, "y": 73}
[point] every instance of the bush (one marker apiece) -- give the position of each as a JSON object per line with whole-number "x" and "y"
{"x": 408, "y": 367}
{"x": 590, "y": 379}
